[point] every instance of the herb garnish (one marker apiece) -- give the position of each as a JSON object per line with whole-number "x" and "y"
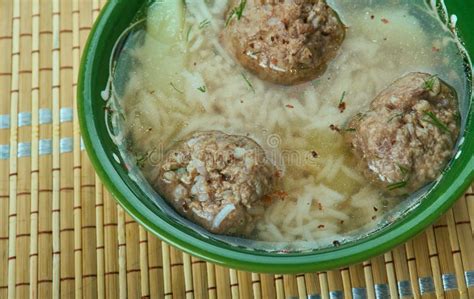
{"x": 403, "y": 169}
{"x": 350, "y": 129}
{"x": 432, "y": 119}
{"x": 397, "y": 185}
{"x": 188, "y": 33}
{"x": 175, "y": 88}
{"x": 396, "y": 115}
{"x": 342, "y": 103}
{"x": 429, "y": 83}
{"x": 248, "y": 82}
{"x": 204, "y": 23}
{"x": 202, "y": 88}
{"x": 237, "y": 11}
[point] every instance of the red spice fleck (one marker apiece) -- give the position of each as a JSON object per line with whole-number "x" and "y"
{"x": 375, "y": 209}
{"x": 372, "y": 17}
{"x": 374, "y": 217}
{"x": 321, "y": 226}
{"x": 342, "y": 221}
{"x": 335, "y": 128}
{"x": 435, "y": 49}
{"x": 385, "y": 21}
{"x": 320, "y": 206}
{"x": 290, "y": 106}
{"x": 267, "y": 200}
{"x": 342, "y": 107}
{"x": 314, "y": 154}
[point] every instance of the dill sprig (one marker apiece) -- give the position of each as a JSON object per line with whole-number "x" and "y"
{"x": 430, "y": 82}
{"x": 343, "y": 96}
{"x": 175, "y": 88}
{"x": 204, "y": 23}
{"x": 237, "y": 11}
{"x": 397, "y": 185}
{"x": 350, "y": 129}
{"x": 202, "y": 88}
{"x": 396, "y": 115}
{"x": 403, "y": 169}
{"x": 188, "y": 33}
{"x": 248, "y": 82}
{"x": 432, "y": 119}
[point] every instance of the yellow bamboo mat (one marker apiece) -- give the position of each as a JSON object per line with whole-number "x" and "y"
{"x": 62, "y": 235}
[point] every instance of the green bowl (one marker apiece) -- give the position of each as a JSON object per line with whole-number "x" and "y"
{"x": 115, "y": 17}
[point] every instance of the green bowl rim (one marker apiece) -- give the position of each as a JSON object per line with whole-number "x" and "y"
{"x": 442, "y": 197}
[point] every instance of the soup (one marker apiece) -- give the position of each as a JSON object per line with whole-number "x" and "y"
{"x": 174, "y": 76}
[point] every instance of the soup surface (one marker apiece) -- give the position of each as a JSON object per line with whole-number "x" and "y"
{"x": 173, "y": 77}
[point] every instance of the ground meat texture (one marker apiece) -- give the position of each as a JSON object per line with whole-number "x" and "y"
{"x": 284, "y": 42}
{"x": 217, "y": 181}
{"x": 407, "y": 136}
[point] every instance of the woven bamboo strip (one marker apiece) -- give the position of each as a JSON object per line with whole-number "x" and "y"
{"x": 234, "y": 284}
{"x": 168, "y": 293}
{"x": 466, "y": 241}
{"x": 279, "y": 286}
{"x": 111, "y": 247}
{"x": 132, "y": 257}
{"x": 335, "y": 282}
{"x": 456, "y": 254}
{"x": 402, "y": 273}
{"x": 24, "y": 162}
{"x": 222, "y": 282}
{"x": 246, "y": 285}
{"x": 312, "y": 284}
{"x": 256, "y": 286}
{"x": 412, "y": 270}
{"x": 356, "y": 281}
{"x": 56, "y": 158}
{"x": 14, "y": 94}
{"x": 99, "y": 204}
{"x": 434, "y": 261}
{"x": 87, "y": 181}
{"x": 268, "y": 286}
{"x": 346, "y": 283}
{"x": 199, "y": 278}
{"x": 188, "y": 276}
{"x": 155, "y": 262}
{"x": 34, "y": 210}
{"x": 323, "y": 284}
{"x": 369, "y": 279}
{"x": 424, "y": 274}
{"x": 470, "y": 205}
{"x": 391, "y": 276}
{"x": 122, "y": 254}
{"x": 301, "y": 285}
{"x": 100, "y": 243}
{"x": 5, "y": 89}
{"x": 45, "y": 248}
{"x": 445, "y": 258}
{"x": 211, "y": 281}
{"x": 144, "y": 274}
{"x": 379, "y": 274}
{"x": 290, "y": 286}
{"x": 177, "y": 273}
{"x": 71, "y": 250}
{"x": 76, "y": 154}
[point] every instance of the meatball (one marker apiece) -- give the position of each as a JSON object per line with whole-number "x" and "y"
{"x": 408, "y": 135}
{"x": 217, "y": 181}
{"x": 284, "y": 42}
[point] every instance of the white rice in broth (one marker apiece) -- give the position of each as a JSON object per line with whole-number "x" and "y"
{"x": 328, "y": 199}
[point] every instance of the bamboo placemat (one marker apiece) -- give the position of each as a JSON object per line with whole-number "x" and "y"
{"x": 62, "y": 235}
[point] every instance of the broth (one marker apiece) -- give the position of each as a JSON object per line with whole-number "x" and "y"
{"x": 168, "y": 85}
